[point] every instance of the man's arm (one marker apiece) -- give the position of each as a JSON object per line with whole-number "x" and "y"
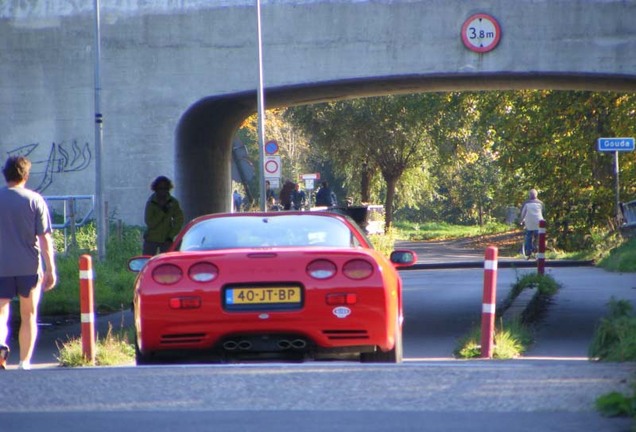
{"x": 524, "y": 210}
{"x": 50, "y": 274}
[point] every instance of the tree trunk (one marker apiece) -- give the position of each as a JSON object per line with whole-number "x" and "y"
{"x": 365, "y": 184}
{"x": 388, "y": 203}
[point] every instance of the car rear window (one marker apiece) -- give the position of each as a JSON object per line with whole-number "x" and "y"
{"x": 268, "y": 231}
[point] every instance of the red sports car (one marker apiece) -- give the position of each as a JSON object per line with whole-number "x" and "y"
{"x": 270, "y": 285}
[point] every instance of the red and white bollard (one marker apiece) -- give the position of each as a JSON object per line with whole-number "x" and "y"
{"x": 86, "y": 306}
{"x": 541, "y": 253}
{"x": 489, "y": 302}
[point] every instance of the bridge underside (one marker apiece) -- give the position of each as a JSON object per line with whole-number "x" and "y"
{"x": 205, "y": 132}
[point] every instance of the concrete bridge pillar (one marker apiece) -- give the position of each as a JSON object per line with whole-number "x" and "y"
{"x": 203, "y": 154}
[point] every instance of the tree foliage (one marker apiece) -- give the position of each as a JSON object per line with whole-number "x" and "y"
{"x": 466, "y": 157}
{"x": 384, "y": 135}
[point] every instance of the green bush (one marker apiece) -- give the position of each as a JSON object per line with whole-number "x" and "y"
{"x": 383, "y": 243}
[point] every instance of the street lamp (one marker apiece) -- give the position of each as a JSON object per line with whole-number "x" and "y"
{"x": 260, "y": 108}
{"x": 102, "y": 231}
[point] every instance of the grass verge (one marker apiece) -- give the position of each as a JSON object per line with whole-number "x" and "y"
{"x": 615, "y": 340}
{"x": 112, "y": 350}
{"x": 510, "y": 341}
{"x": 444, "y": 231}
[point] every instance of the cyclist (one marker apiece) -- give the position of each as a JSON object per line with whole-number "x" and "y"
{"x": 531, "y": 214}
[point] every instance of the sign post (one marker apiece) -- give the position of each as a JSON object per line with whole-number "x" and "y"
{"x": 616, "y": 145}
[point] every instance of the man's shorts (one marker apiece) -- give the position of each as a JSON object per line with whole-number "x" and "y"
{"x": 11, "y": 286}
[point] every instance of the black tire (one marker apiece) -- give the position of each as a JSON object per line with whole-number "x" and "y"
{"x": 535, "y": 245}
{"x": 141, "y": 358}
{"x": 393, "y": 356}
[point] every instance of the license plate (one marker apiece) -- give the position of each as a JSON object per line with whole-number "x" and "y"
{"x": 263, "y": 296}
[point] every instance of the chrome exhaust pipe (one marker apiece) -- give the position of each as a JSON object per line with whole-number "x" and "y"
{"x": 244, "y": 345}
{"x": 298, "y": 344}
{"x": 230, "y": 345}
{"x": 284, "y": 344}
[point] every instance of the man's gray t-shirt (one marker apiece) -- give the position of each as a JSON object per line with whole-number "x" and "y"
{"x": 23, "y": 216}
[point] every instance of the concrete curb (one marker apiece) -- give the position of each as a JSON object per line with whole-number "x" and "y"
{"x": 519, "y": 305}
{"x": 500, "y": 264}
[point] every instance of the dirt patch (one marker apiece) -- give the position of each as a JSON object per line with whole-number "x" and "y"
{"x": 508, "y": 243}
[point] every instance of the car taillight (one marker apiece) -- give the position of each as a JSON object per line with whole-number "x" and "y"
{"x": 185, "y": 302}
{"x": 321, "y": 269}
{"x": 167, "y": 274}
{"x": 357, "y": 269}
{"x": 203, "y": 272}
{"x": 341, "y": 298}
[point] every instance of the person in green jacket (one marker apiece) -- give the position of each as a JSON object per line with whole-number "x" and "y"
{"x": 163, "y": 217}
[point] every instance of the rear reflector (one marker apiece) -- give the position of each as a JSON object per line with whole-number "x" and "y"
{"x": 341, "y": 299}
{"x": 203, "y": 272}
{"x": 167, "y": 274}
{"x": 321, "y": 269}
{"x": 357, "y": 269}
{"x": 185, "y": 302}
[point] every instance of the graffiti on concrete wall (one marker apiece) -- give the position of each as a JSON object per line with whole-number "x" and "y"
{"x": 62, "y": 158}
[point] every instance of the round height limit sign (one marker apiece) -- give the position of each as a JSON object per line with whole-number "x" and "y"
{"x": 481, "y": 33}
{"x": 272, "y": 166}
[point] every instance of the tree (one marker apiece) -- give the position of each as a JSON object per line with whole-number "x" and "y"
{"x": 293, "y": 146}
{"x": 388, "y": 134}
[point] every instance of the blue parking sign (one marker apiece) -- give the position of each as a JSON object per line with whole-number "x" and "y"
{"x": 615, "y": 144}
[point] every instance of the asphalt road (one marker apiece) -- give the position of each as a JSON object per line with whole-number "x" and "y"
{"x": 553, "y": 387}
{"x": 422, "y": 396}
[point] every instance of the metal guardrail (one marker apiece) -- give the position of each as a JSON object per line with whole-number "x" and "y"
{"x": 629, "y": 213}
{"x": 70, "y": 213}
{"x": 70, "y": 209}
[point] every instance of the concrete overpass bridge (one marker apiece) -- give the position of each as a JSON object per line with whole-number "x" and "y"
{"x": 178, "y": 78}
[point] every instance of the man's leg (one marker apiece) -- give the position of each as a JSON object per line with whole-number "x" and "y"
{"x": 147, "y": 248}
{"x": 527, "y": 245}
{"x": 29, "y": 325}
{"x": 4, "y": 320}
{"x": 163, "y": 247}
{"x": 5, "y": 308}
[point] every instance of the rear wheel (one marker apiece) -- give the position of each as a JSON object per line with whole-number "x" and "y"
{"x": 141, "y": 358}
{"x": 527, "y": 254}
{"x": 393, "y": 356}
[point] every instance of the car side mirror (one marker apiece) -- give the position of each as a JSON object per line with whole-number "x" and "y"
{"x": 137, "y": 263}
{"x": 403, "y": 258}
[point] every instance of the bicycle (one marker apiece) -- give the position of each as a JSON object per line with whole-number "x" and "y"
{"x": 535, "y": 245}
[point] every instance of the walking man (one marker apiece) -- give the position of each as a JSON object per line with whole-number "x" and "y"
{"x": 531, "y": 215}
{"x": 27, "y": 265}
